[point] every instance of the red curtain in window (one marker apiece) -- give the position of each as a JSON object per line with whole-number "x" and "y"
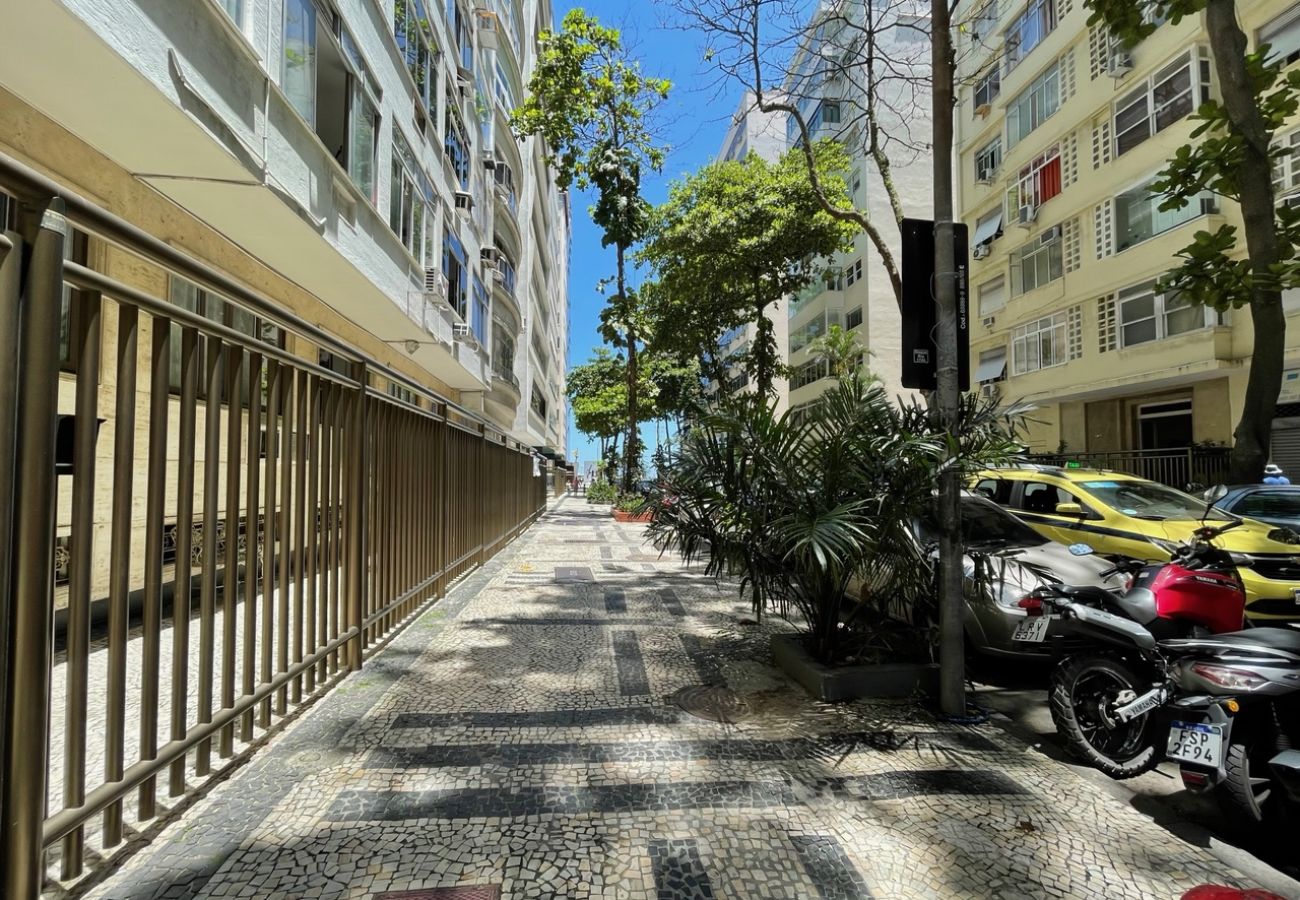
{"x": 1049, "y": 180}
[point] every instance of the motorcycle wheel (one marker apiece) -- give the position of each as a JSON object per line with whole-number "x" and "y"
{"x": 1245, "y": 798}
{"x": 1082, "y": 691}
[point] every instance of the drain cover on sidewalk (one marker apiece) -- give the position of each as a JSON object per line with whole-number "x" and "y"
{"x": 712, "y": 702}
{"x": 469, "y": 892}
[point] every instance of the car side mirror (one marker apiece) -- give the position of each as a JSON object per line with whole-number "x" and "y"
{"x": 1069, "y": 509}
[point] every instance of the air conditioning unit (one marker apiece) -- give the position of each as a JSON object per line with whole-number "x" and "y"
{"x": 1120, "y": 63}
{"x": 464, "y": 202}
{"x": 1027, "y": 215}
{"x": 985, "y": 179}
{"x": 489, "y": 255}
{"x": 435, "y": 288}
{"x": 1051, "y": 234}
{"x": 489, "y": 161}
{"x": 988, "y": 389}
{"x": 981, "y": 251}
{"x": 988, "y": 321}
{"x": 462, "y": 332}
{"x": 487, "y": 28}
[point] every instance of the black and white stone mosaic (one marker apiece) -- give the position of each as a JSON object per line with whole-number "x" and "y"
{"x": 523, "y": 735}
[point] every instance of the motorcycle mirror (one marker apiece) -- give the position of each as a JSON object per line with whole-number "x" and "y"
{"x": 1081, "y": 550}
{"x": 1211, "y": 497}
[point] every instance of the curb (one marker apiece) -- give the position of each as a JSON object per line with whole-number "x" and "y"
{"x": 1261, "y": 873}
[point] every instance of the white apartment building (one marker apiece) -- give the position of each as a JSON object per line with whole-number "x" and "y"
{"x": 350, "y": 156}
{"x": 828, "y": 80}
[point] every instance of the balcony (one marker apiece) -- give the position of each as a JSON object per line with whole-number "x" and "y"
{"x": 504, "y": 281}
{"x": 502, "y": 402}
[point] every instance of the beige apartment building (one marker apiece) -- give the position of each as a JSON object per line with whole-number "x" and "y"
{"x": 1060, "y": 131}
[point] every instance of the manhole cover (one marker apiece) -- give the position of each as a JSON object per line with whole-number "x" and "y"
{"x": 712, "y": 702}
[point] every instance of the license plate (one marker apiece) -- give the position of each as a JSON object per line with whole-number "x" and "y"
{"x": 1032, "y": 629}
{"x": 1197, "y": 743}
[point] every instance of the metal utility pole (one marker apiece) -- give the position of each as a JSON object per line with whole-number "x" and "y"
{"x": 952, "y": 674}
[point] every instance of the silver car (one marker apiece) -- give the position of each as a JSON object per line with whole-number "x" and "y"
{"x": 1005, "y": 561}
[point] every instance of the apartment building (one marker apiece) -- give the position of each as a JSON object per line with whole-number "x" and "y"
{"x": 350, "y": 159}
{"x": 1060, "y": 132}
{"x": 753, "y": 131}
{"x": 828, "y": 81}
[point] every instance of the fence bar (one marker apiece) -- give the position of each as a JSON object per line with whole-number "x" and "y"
{"x": 230, "y": 584}
{"x": 11, "y": 263}
{"x": 155, "y": 499}
{"x": 272, "y": 450}
{"x": 208, "y": 589}
{"x": 184, "y": 553}
{"x": 26, "y": 730}
{"x": 120, "y": 562}
{"x": 284, "y": 528}
{"x": 299, "y": 524}
{"x": 356, "y": 517}
{"x": 81, "y": 566}
{"x": 252, "y": 540}
{"x": 313, "y": 523}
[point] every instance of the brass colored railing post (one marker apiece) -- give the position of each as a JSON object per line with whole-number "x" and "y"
{"x": 11, "y": 261}
{"x": 355, "y": 509}
{"x": 31, "y": 621}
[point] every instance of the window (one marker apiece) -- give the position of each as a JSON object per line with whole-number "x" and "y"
{"x": 479, "y": 316}
{"x": 506, "y": 93}
{"x": 809, "y": 373}
{"x": 1039, "y": 345}
{"x": 980, "y": 26}
{"x": 234, "y": 9}
{"x": 458, "y": 23}
{"x": 988, "y": 228}
{"x": 410, "y": 28}
{"x": 1038, "y": 182}
{"x": 1162, "y": 100}
{"x": 362, "y": 119}
{"x": 913, "y": 29}
{"x": 992, "y": 366}
{"x": 1040, "y": 497}
{"x": 457, "y": 272}
{"x": 853, "y": 318}
{"x": 1283, "y": 36}
{"x": 1138, "y": 216}
{"x": 987, "y": 88}
{"x": 1286, "y": 168}
{"x": 456, "y": 146}
{"x": 996, "y": 489}
{"x": 409, "y": 201}
{"x": 1036, "y": 263}
{"x": 1145, "y": 315}
{"x": 828, "y": 113}
{"x": 988, "y": 159}
{"x": 506, "y": 267}
{"x": 1028, "y": 30}
{"x": 1269, "y": 504}
{"x": 537, "y": 402}
{"x": 852, "y": 273}
{"x": 503, "y": 353}
{"x": 992, "y": 296}
{"x": 1033, "y": 106}
{"x": 298, "y": 77}
{"x": 187, "y": 295}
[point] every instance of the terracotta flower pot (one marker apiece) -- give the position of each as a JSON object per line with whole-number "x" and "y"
{"x": 624, "y": 516}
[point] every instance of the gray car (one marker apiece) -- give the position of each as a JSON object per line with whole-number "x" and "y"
{"x": 1011, "y": 559}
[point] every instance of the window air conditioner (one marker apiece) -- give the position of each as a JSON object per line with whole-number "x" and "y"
{"x": 435, "y": 288}
{"x": 489, "y": 161}
{"x": 988, "y": 321}
{"x": 985, "y": 179}
{"x": 1120, "y": 64}
{"x": 464, "y": 202}
{"x": 980, "y": 251}
{"x": 488, "y": 255}
{"x": 462, "y": 332}
{"x": 1028, "y": 214}
{"x": 988, "y": 389}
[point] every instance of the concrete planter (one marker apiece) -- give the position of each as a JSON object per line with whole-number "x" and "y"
{"x": 621, "y": 516}
{"x": 836, "y": 683}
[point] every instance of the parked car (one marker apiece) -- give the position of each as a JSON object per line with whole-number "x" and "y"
{"x": 1014, "y": 560}
{"x": 1123, "y": 515}
{"x": 1273, "y": 504}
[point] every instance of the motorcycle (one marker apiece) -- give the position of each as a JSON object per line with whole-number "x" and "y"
{"x": 1103, "y": 696}
{"x": 1236, "y": 725}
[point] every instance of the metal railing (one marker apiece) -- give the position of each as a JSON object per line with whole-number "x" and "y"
{"x": 306, "y": 515}
{"x": 1180, "y": 468}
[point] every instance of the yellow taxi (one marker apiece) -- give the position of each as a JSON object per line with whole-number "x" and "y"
{"x": 1123, "y": 515}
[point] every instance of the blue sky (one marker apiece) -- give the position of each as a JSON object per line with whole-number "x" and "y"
{"x": 693, "y": 124}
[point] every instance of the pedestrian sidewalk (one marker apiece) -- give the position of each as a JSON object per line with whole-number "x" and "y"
{"x": 582, "y": 719}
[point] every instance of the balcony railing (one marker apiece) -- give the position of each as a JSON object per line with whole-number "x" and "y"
{"x": 312, "y": 515}
{"x": 1183, "y": 468}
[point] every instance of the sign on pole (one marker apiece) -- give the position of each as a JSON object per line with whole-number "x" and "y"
{"x": 921, "y": 313}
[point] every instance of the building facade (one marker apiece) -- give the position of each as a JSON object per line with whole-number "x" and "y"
{"x": 829, "y": 83}
{"x": 357, "y": 150}
{"x": 351, "y": 161}
{"x": 754, "y": 131}
{"x": 1060, "y": 132}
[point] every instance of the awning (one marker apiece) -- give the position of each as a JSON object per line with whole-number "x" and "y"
{"x": 992, "y": 366}
{"x": 988, "y": 229}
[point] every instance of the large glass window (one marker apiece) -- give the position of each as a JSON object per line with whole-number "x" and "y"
{"x": 1037, "y": 262}
{"x": 410, "y": 198}
{"x": 1283, "y": 36}
{"x": 480, "y": 314}
{"x": 456, "y": 269}
{"x": 298, "y": 76}
{"x": 1163, "y": 99}
{"x": 1028, "y": 30}
{"x": 410, "y": 28}
{"x": 988, "y": 159}
{"x": 362, "y": 118}
{"x": 1146, "y": 315}
{"x": 1033, "y": 106}
{"x": 992, "y": 296}
{"x": 987, "y": 88}
{"x": 189, "y": 296}
{"x": 1286, "y": 168}
{"x": 456, "y": 147}
{"x": 234, "y": 9}
{"x": 458, "y": 23}
{"x": 1138, "y": 216}
{"x": 1039, "y": 345}
{"x": 1037, "y": 182}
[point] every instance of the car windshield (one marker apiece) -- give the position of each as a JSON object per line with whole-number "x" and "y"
{"x": 1148, "y": 500}
{"x": 985, "y": 526}
{"x": 1270, "y": 505}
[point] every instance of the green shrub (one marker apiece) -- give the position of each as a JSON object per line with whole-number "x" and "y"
{"x": 601, "y": 492}
{"x": 632, "y": 503}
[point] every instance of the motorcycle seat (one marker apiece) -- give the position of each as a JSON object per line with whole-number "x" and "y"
{"x": 1088, "y": 594}
{"x": 1273, "y": 638}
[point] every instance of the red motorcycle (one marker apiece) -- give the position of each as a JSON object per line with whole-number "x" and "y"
{"x": 1100, "y": 697}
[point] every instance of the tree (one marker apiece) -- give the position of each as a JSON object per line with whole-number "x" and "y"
{"x": 839, "y": 351}
{"x": 589, "y": 102}
{"x": 597, "y": 393}
{"x": 1232, "y": 156}
{"x": 740, "y": 235}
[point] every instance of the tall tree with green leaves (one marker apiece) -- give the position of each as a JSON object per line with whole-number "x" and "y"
{"x": 597, "y": 392}
{"x": 740, "y": 235}
{"x": 589, "y": 101}
{"x": 1232, "y": 155}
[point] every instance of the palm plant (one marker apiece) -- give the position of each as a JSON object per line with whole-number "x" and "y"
{"x": 800, "y": 508}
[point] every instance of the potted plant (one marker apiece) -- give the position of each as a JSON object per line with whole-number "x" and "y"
{"x": 801, "y": 507}
{"x": 632, "y": 507}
